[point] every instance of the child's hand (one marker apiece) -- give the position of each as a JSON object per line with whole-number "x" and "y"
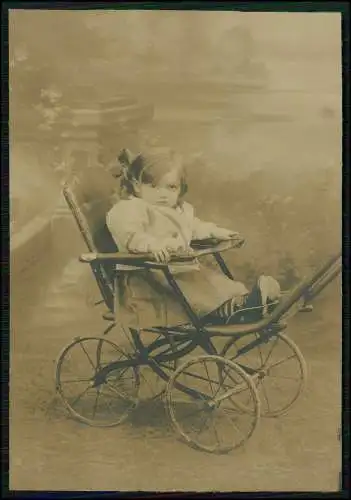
{"x": 160, "y": 252}
{"x": 175, "y": 245}
{"x": 163, "y": 250}
{"x": 224, "y": 234}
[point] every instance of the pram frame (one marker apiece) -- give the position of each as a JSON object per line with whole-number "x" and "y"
{"x": 181, "y": 340}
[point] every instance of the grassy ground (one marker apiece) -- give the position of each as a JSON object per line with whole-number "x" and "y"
{"x": 298, "y": 452}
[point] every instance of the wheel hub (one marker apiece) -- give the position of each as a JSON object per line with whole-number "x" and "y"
{"x": 96, "y": 383}
{"x": 262, "y": 373}
{"x": 212, "y": 405}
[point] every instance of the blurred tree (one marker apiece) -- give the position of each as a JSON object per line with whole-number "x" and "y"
{"x": 288, "y": 274}
{"x": 250, "y": 272}
{"x": 49, "y": 53}
{"x": 236, "y": 57}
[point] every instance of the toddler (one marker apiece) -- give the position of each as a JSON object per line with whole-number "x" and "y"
{"x": 152, "y": 216}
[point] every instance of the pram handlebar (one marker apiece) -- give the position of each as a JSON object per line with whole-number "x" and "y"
{"x": 200, "y": 248}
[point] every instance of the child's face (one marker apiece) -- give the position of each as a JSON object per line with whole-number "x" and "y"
{"x": 163, "y": 193}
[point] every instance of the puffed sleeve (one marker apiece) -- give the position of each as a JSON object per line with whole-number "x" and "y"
{"x": 203, "y": 229}
{"x": 127, "y": 222}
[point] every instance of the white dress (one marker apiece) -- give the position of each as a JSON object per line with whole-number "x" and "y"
{"x": 150, "y": 301}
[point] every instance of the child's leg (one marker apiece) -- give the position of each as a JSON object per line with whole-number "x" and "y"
{"x": 265, "y": 292}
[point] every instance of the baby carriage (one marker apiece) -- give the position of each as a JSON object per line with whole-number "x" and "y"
{"x": 219, "y": 379}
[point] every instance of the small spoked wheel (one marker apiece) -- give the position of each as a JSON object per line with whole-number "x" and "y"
{"x": 97, "y": 401}
{"x": 276, "y": 365}
{"x": 212, "y": 403}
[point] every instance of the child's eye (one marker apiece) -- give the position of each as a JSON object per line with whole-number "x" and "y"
{"x": 174, "y": 187}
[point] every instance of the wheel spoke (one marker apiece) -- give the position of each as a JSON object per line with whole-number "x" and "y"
{"x": 215, "y": 431}
{"x": 96, "y": 401}
{"x": 73, "y": 381}
{"x": 282, "y": 361}
{"x": 282, "y": 377}
{"x": 78, "y": 398}
{"x": 108, "y": 403}
{"x": 232, "y": 411}
{"x": 237, "y": 428}
{"x": 114, "y": 361}
{"x": 265, "y": 395}
{"x": 199, "y": 377}
{"x": 275, "y": 341}
{"x": 208, "y": 377}
{"x": 121, "y": 374}
{"x": 191, "y": 414}
{"x": 128, "y": 338}
{"x": 241, "y": 355}
{"x": 98, "y": 355}
{"x": 205, "y": 420}
{"x": 222, "y": 383}
{"x": 259, "y": 350}
{"x": 146, "y": 381}
{"x": 119, "y": 393}
{"x": 87, "y": 355}
{"x": 166, "y": 367}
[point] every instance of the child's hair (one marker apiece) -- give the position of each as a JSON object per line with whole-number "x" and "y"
{"x": 149, "y": 168}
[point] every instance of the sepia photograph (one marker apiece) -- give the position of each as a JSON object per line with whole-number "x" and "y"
{"x": 175, "y": 250}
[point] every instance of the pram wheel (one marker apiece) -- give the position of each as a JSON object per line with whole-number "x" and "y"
{"x": 212, "y": 403}
{"x": 102, "y": 403}
{"x": 275, "y": 364}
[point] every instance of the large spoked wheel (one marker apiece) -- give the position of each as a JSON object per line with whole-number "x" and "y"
{"x": 212, "y": 403}
{"x": 276, "y": 365}
{"x": 99, "y": 403}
